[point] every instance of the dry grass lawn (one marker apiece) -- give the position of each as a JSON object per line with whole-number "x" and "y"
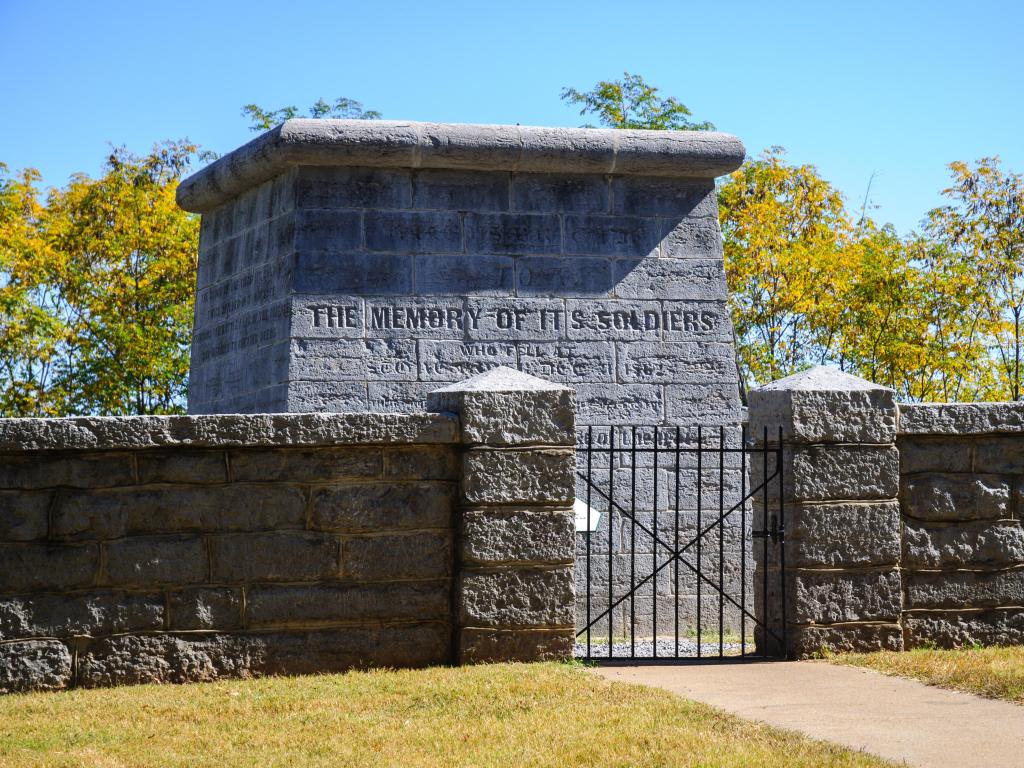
{"x": 994, "y": 672}
{"x": 500, "y": 715}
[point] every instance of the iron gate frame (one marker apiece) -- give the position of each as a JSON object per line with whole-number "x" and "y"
{"x": 773, "y": 529}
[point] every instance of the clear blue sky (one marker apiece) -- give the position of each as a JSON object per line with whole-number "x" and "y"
{"x": 900, "y": 87}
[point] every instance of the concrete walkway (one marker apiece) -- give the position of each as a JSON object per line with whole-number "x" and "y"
{"x": 901, "y": 720}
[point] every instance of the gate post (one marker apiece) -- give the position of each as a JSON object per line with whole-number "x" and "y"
{"x": 515, "y": 597}
{"x": 841, "y": 589}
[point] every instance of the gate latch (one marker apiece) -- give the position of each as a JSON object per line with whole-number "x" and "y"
{"x": 774, "y": 531}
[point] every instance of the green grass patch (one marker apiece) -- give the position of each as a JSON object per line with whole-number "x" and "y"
{"x": 996, "y": 672}
{"x": 496, "y": 715}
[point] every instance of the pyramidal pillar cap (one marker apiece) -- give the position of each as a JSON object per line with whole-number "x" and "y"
{"x": 506, "y": 407}
{"x": 823, "y": 405}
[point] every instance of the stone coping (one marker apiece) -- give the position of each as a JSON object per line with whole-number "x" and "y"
{"x": 226, "y": 430}
{"x": 403, "y": 144}
{"x": 960, "y": 418}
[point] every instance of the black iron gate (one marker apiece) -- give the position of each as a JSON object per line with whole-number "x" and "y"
{"x": 669, "y": 520}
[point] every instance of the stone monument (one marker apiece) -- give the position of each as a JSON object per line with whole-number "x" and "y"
{"x": 351, "y": 265}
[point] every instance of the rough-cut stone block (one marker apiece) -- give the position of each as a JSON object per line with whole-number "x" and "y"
{"x": 182, "y": 466}
{"x": 413, "y": 231}
{"x": 948, "y": 497}
{"x": 609, "y": 404}
{"x": 835, "y": 472}
{"x": 118, "y": 512}
{"x": 461, "y": 190}
{"x": 935, "y": 454}
{"x": 544, "y": 193}
{"x": 675, "y": 362}
{"x": 841, "y": 535}
{"x": 328, "y": 272}
{"x": 503, "y": 407}
{"x": 529, "y": 476}
{"x": 205, "y": 608}
{"x": 317, "y": 604}
{"x": 513, "y": 233}
{"x": 34, "y": 665}
{"x": 333, "y": 187}
{"x": 622, "y": 236}
{"x": 964, "y": 589}
{"x": 89, "y": 470}
{"x": 809, "y": 642}
{"x": 397, "y": 556}
{"x": 833, "y": 597}
{"x": 998, "y": 544}
{"x": 568, "y": 362}
{"x": 953, "y": 629}
{"x": 23, "y": 515}
{"x": 377, "y": 506}
{"x": 274, "y": 557}
{"x": 961, "y": 418}
{"x": 1001, "y": 454}
{"x": 520, "y": 597}
{"x": 453, "y": 361}
{"x": 459, "y": 275}
{"x": 328, "y": 230}
{"x": 32, "y": 566}
{"x": 559, "y": 276}
{"x": 421, "y": 463}
{"x": 653, "y": 196}
{"x": 478, "y": 646}
{"x": 88, "y": 613}
{"x": 306, "y": 466}
{"x": 707, "y": 404}
{"x": 824, "y": 405}
{"x": 146, "y": 561}
{"x": 670, "y": 279}
{"x": 691, "y": 239}
{"x": 500, "y": 535}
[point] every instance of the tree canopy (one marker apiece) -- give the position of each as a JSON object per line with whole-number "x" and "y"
{"x": 263, "y": 119}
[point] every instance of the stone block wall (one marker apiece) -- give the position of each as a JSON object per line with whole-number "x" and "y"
{"x": 172, "y": 549}
{"x": 962, "y": 497}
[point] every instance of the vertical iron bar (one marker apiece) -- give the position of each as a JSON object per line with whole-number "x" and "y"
{"x": 654, "y": 548}
{"x": 764, "y": 557}
{"x": 632, "y": 546}
{"x": 782, "y": 544}
{"x": 590, "y": 478}
{"x": 743, "y": 539}
{"x": 675, "y": 574}
{"x": 700, "y": 479}
{"x": 721, "y": 540}
{"x": 611, "y": 516}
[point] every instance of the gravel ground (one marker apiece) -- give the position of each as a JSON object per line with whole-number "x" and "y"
{"x": 666, "y": 647}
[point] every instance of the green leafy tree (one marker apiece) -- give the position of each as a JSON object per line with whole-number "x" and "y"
{"x": 97, "y": 289}
{"x": 263, "y": 119}
{"x": 632, "y": 103}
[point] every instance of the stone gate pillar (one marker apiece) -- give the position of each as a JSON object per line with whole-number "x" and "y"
{"x": 843, "y": 589}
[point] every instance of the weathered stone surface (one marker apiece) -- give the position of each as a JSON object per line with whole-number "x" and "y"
{"x": 935, "y": 454}
{"x": 947, "y": 497}
{"x": 150, "y": 560}
{"x": 23, "y": 515}
{"x": 506, "y": 407}
{"x": 838, "y": 472}
{"x": 389, "y": 505}
{"x": 34, "y": 665}
{"x": 305, "y": 466}
{"x": 318, "y": 604}
{"x": 87, "y": 470}
{"x": 37, "y": 566}
{"x": 90, "y": 613}
{"x": 528, "y": 476}
{"x": 961, "y": 418}
{"x": 810, "y": 642}
{"x": 964, "y": 589}
{"x": 520, "y": 597}
{"x": 288, "y": 556}
{"x": 999, "y": 454}
{"x": 953, "y": 629}
{"x": 824, "y": 405}
{"x": 397, "y": 556}
{"x": 485, "y": 645}
{"x": 205, "y": 608}
{"x": 839, "y": 535}
{"x": 117, "y": 512}
{"x": 996, "y": 544}
{"x": 181, "y": 466}
{"x": 270, "y": 430}
{"x": 833, "y": 597}
{"x": 421, "y": 463}
{"x": 204, "y": 657}
{"x": 500, "y": 535}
